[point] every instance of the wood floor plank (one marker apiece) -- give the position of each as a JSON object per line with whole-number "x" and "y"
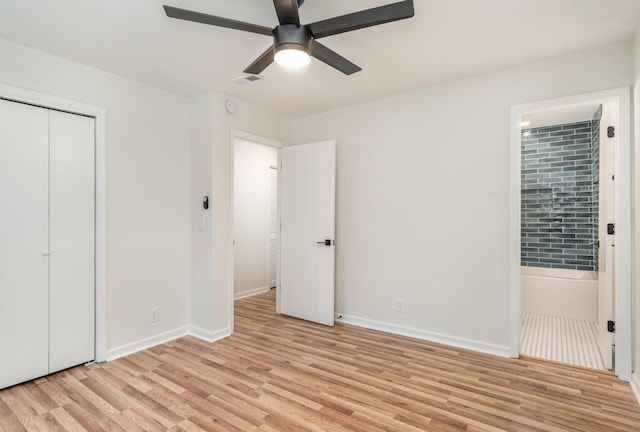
{"x": 48, "y": 422}
{"x": 66, "y": 420}
{"x": 279, "y": 374}
{"x": 8, "y": 419}
{"x": 146, "y": 422}
{"x": 89, "y": 420}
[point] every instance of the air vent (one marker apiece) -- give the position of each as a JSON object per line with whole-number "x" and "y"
{"x": 247, "y": 79}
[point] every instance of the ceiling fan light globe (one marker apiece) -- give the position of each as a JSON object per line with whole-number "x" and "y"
{"x": 292, "y": 58}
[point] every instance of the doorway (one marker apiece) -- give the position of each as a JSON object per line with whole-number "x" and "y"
{"x": 565, "y": 277}
{"x": 305, "y": 229}
{"x": 255, "y": 215}
{"x": 563, "y": 172}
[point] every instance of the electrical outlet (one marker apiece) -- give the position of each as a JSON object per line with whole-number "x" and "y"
{"x": 154, "y": 315}
{"x": 400, "y": 305}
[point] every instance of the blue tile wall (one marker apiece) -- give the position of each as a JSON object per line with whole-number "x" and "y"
{"x": 559, "y": 208}
{"x": 595, "y": 177}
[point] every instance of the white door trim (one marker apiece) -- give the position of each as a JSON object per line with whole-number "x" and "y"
{"x": 100, "y": 115}
{"x": 237, "y": 134}
{"x": 623, "y": 267}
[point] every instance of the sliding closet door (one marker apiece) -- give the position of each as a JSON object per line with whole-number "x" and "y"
{"x": 71, "y": 221}
{"x": 24, "y": 265}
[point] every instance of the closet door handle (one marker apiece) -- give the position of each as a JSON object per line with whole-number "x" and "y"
{"x": 45, "y": 252}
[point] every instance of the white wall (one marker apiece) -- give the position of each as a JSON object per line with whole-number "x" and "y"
{"x": 251, "y": 192}
{"x": 423, "y": 197}
{"x": 636, "y": 149}
{"x": 423, "y": 191}
{"x": 211, "y": 290}
{"x": 201, "y": 297}
{"x": 147, "y": 148}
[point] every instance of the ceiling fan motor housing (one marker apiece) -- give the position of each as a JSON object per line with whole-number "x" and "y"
{"x": 290, "y": 36}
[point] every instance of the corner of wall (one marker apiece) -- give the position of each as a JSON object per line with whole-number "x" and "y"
{"x": 211, "y": 255}
{"x": 636, "y": 54}
{"x": 635, "y": 385}
{"x": 209, "y": 336}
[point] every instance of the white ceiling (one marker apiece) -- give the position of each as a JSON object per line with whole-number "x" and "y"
{"x": 573, "y": 114}
{"x": 445, "y": 41}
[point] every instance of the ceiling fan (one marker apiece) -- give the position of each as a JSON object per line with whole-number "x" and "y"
{"x": 294, "y": 42}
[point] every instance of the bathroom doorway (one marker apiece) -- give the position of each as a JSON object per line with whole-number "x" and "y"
{"x": 560, "y": 195}
{"x": 570, "y": 187}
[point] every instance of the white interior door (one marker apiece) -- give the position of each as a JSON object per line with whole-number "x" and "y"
{"x": 47, "y": 233}
{"x": 71, "y": 221}
{"x": 606, "y": 255}
{"x": 307, "y": 256}
{"x": 24, "y": 267}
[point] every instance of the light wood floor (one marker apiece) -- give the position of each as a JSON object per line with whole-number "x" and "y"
{"x": 282, "y": 374}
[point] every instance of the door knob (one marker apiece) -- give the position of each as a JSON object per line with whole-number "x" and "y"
{"x": 46, "y": 253}
{"x": 326, "y": 242}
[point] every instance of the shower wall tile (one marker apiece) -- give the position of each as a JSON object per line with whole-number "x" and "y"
{"x": 595, "y": 179}
{"x": 559, "y": 207}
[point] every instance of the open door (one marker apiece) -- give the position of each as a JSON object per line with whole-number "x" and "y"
{"x": 307, "y": 218}
{"x": 606, "y": 255}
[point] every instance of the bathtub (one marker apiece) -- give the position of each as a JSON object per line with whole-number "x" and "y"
{"x": 559, "y": 292}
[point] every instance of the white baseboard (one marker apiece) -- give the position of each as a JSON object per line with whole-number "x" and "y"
{"x": 251, "y": 292}
{"x": 209, "y": 336}
{"x": 635, "y": 385}
{"x": 502, "y": 351}
{"x": 134, "y": 347}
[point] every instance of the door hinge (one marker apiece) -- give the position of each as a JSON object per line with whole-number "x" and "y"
{"x": 611, "y": 131}
{"x": 611, "y": 228}
{"x": 611, "y": 326}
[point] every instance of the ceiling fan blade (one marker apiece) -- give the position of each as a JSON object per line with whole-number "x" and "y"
{"x": 366, "y": 18}
{"x": 199, "y": 17}
{"x": 287, "y": 11}
{"x": 332, "y": 58}
{"x": 261, "y": 63}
